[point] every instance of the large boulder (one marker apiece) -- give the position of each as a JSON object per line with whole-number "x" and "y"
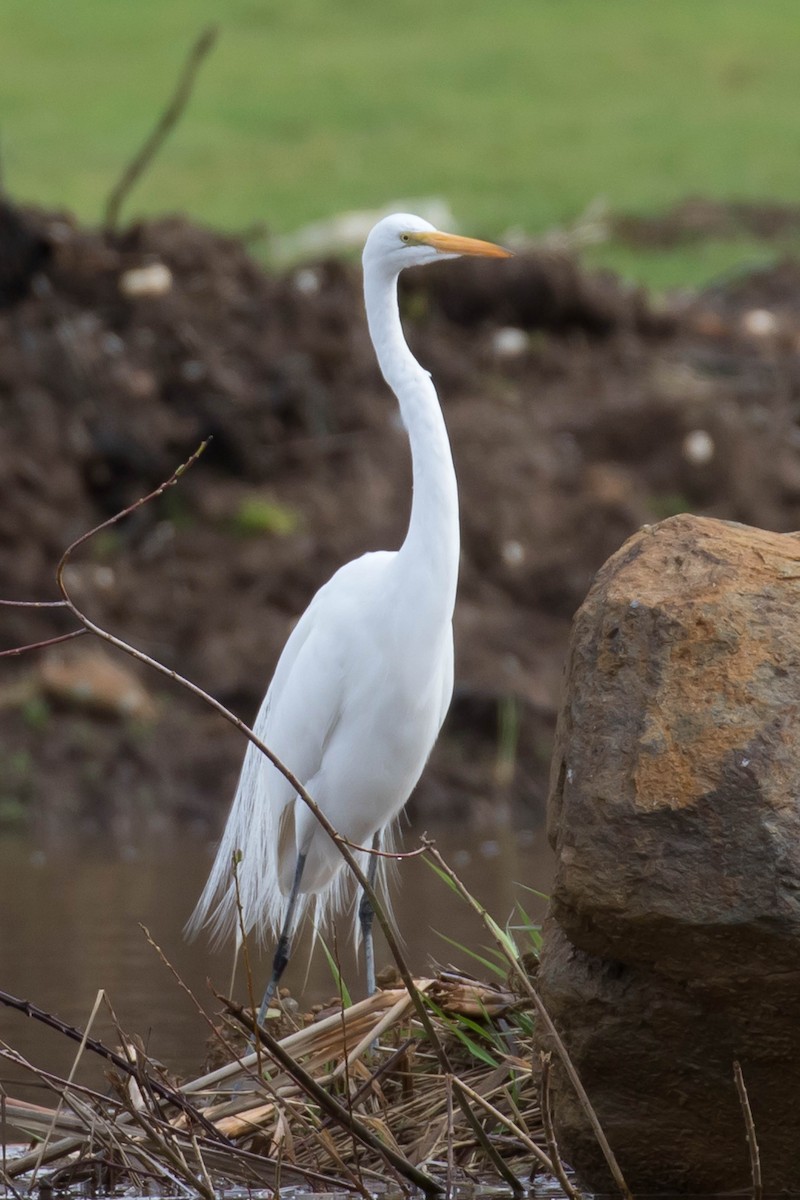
{"x": 672, "y": 947}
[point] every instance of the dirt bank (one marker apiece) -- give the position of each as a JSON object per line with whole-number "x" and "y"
{"x": 577, "y": 410}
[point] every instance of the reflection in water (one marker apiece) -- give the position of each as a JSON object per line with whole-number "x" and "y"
{"x": 71, "y": 925}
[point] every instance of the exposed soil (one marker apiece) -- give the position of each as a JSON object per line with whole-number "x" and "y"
{"x": 566, "y": 439}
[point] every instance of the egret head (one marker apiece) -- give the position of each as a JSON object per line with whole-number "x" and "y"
{"x": 403, "y": 240}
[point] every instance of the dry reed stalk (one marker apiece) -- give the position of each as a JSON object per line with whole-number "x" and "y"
{"x": 750, "y": 1130}
{"x": 501, "y": 1119}
{"x": 36, "y": 1119}
{"x": 327, "y": 1103}
{"x": 70, "y": 1077}
{"x": 245, "y": 1123}
{"x": 147, "y": 1137}
{"x": 321, "y": 1040}
{"x": 390, "y": 1019}
{"x": 549, "y": 1130}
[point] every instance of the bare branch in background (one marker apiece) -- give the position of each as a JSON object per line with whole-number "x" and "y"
{"x": 166, "y": 122}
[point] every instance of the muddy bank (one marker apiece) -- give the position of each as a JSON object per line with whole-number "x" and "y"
{"x": 578, "y": 411}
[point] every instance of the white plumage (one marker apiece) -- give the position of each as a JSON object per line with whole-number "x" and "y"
{"x": 366, "y": 677}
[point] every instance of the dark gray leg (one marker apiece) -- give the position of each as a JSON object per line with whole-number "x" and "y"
{"x": 366, "y": 915}
{"x": 283, "y": 949}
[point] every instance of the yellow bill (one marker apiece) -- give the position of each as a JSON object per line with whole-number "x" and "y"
{"x": 452, "y": 243}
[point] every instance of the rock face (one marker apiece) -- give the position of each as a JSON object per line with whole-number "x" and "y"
{"x": 673, "y": 942}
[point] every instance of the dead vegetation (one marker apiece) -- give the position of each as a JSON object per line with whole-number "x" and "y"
{"x": 341, "y": 1101}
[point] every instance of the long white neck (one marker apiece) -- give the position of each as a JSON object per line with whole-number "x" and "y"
{"x": 430, "y": 553}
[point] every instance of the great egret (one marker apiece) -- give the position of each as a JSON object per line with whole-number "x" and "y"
{"x": 364, "y": 681}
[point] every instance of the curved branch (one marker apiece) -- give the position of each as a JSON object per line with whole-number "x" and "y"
{"x": 340, "y": 842}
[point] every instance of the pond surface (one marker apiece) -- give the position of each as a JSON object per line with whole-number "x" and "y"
{"x": 71, "y": 925}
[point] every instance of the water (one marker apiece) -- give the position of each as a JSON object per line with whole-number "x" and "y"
{"x": 71, "y": 925}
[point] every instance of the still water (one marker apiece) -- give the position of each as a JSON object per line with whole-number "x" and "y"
{"x": 70, "y": 925}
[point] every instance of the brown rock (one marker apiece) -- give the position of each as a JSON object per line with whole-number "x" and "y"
{"x": 673, "y": 946}
{"x": 88, "y": 678}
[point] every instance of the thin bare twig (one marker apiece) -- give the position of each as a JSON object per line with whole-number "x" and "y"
{"x": 209, "y": 1186}
{"x": 557, "y": 1167}
{"x": 395, "y": 855}
{"x": 501, "y": 1119}
{"x": 55, "y": 1082}
{"x": 166, "y": 122}
{"x": 52, "y": 641}
{"x": 77, "y": 1035}
{"x": 176, "y": 475}
{"x": 216, "y": 1032}
{"x": 752, "y": 1141}
{"x": 70, "y": 1078}
{"x": 32, "y": 603}
{"x": 170, "y": 1150}
{"x": 514, "y": 1128}
{"x": 450, "y": 1156}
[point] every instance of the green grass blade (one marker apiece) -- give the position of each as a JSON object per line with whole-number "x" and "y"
{"x": 338, "y": 978}
{"x": 534, "y": 891}
{"x": 499, "y": 971}
{"x": 454, "y": 1025}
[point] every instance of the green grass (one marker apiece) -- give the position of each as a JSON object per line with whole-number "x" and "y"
{"x": 517, "y": 112}
{"x": 692, "y": 264}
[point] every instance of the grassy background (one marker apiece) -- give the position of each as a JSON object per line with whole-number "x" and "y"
{"x": 519, "y": 112}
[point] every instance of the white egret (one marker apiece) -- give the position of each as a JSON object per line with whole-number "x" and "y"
{"x": 365, "y": 679}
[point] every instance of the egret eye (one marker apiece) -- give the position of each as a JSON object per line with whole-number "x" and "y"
{"x": 405, "y": 237}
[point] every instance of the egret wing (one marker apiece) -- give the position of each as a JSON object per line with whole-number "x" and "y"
{"x": 296, "y": 720}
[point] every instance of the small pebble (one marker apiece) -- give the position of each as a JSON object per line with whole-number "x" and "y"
{"x": 306, "y": 281}
{"x": 698, "y": 447}
{"x": 513, "y": 553}
{"x": 153, "y": 280}
{"x": 510, "y": 341}
{"x": 760, "y": 322}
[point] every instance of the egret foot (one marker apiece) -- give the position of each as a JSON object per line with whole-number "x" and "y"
{"x": 284, "y": 947}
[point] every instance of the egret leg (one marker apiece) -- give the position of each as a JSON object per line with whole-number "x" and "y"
{"x": 366, "y": 916}
{"x": 284, "y": 946}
